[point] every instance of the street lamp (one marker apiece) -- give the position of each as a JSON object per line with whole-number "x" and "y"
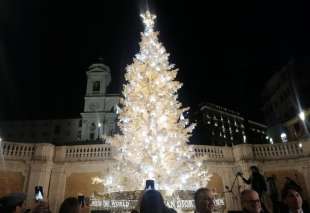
{"x": 99, "y": 126}
{"x": 302, "y": 116}
{"x": 271, "y": 140}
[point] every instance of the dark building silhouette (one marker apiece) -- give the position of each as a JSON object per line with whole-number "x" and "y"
{"x": 286, "y": 94}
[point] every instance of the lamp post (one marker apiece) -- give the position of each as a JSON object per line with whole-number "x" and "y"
{"x": 99, "y": 126}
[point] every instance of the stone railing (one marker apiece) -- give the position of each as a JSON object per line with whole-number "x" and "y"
{"x": 97, "y": 152}
{"x": 17, "y": 151}
{"x": 213, "y": 153}
{"x": 279, "y": 151}
{"x": 87, "y": 153}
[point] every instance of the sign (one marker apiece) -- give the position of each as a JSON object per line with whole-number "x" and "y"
{"x": 97, "y": 204}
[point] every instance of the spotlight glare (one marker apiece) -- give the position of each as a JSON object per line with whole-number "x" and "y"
{"x": 302, "y": 115}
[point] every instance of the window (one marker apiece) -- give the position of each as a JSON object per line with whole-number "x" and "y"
{"x": 79, "y": 134}
{"x": 44, "y": 134}
{"x": 33, "y": 135}
{"x": 96, "y": 86}
{"x": 80, "y": 123}
{"x": 91, "y": 136}
{"x": 57, "y": 129}
{"x": 93, "y": 127}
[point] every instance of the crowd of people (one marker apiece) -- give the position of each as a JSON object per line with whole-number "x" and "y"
{"x": 265, "y": 197}
{"x": 252, "y": 200}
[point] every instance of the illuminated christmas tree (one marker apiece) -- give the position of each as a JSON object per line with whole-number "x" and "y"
{"x": 153, "y": 143}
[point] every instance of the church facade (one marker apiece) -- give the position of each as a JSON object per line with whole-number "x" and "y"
{"x": 97, "y": 120}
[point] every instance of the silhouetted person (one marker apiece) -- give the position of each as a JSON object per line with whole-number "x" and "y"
{"x": 70, "y": 205}
{"x": 256, "y": 180}
{"x": 292, "y": 200}
{"x": 204, "y": 200}
{"x": 13, "y": 203}
{"x": 153, "y": 202}
{"x": 290, "y": 183}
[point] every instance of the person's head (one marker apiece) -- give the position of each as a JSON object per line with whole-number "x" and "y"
{"x": 254, "y": 169}
{"x": 13, "y": 203}
{"x": 70, "y": 205}
{"x": 250, "y": 201}
{"x": 152, "y": 202}
{"x": 204, "y": 200}
{"x": 291, "y": 198}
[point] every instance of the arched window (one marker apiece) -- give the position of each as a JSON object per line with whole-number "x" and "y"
{"x": 93, "y": 127}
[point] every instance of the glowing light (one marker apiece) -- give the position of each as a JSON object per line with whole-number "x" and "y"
{"x": 302, "y": 115}
{"x": 271, "y": 140}
{"x": 300, "y": 145}
{"x": 283, "y": 137}
{"x": 154, "y": 131}
{"x": 244, "y": 139}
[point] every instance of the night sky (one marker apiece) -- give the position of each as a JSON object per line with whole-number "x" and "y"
{"x": 225, "y": 50}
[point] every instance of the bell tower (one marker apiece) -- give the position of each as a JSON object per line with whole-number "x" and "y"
{"x": 95, "y": 114}
{"x": 98, "y": 79}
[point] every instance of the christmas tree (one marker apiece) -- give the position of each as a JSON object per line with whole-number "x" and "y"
{"x": 153, "y": 144}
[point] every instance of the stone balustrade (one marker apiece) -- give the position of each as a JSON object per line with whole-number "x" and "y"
{"x": 96, "y": 152}
{"x": 17, "y": 151}
{"x": 213, "y": 153}
{"x": 280, "y": 151}
{"x": 86, "y": 153}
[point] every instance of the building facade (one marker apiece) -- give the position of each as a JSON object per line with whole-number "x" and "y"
{"x": 97, "y": 120}
{"x": 285, "y": 96}
{"x": 221, "y": 126}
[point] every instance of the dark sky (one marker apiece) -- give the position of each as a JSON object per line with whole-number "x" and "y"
{"x": 225, "y": 50}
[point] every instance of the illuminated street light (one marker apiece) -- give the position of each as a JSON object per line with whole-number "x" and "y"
{"x": 244, "y": 139}
{"x": 271, "y": 140}
{"x": 283, "y": 137}
{"x": 302, "y": 115}
{"x": 300, "y": 145}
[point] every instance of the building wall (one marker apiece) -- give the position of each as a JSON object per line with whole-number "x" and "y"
{"x": 284, "y": 96}
{"x": 55, "y": 131}
{"x": 11, "y": 182}
{"x": 81, "y": 183}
